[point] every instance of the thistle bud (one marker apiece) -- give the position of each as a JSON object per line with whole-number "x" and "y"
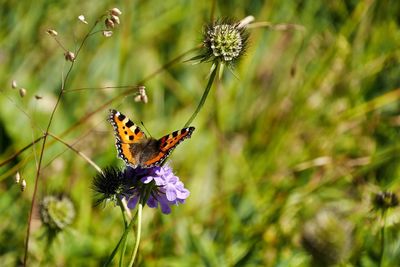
{"x": 69, "y": 56}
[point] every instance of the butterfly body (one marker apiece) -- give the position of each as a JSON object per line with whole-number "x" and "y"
{"x": 136, "y": 149}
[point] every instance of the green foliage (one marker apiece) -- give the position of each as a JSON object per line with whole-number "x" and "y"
{"x": 309, "y": 125}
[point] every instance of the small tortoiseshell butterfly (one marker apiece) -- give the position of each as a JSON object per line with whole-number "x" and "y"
{"x": 136, "y": 149}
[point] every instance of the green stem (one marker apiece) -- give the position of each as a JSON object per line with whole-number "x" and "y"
{"x": 205, "y": 94}
{"x": 382, "y": 238}
{"x": 121, "y": 257}
{"x": 122, "y": 239}
{"x": 139, "y": 229}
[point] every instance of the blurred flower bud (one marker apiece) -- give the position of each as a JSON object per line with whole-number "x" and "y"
{"x": 22, "y": 92}
{"x": 142, "y": 96}
{"x": 115, "y": 19}
{"x": 38, "y": 97}
{"x": 115, "y": 11}
{"x": 82, "y": 19}
{"x": 14, "y": 84}
{"x": 69, "y": 56}
{"x": 23, "y": 185}
{"x": 52, "y": 32}
{"x": 107, "y": 33}
{"x": 109, "y": 23}
{"x": 17, "y": 177}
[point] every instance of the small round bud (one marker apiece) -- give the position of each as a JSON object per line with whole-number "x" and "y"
{"x": 23, "y": 185}
{"x": 52, "y": 32}
{"x": 82, "y": 19}
{"x": 115, "y": 11}
{"x": 17, "y": 178}
{"x": 109, "y": 23}
{"x": 142, "y": 96}
{"x": 14, "y": 84}
{"x": 115, "y": 19}
{"x": 22, "y": 92}
{"x": 69, "y": 56}
{"x": 107, "y": 33}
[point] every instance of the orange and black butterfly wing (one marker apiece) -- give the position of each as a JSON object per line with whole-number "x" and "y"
{"x": 126, "y": 134}
{"x": 166, "y": 144}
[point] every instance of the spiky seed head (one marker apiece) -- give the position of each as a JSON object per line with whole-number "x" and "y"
{"x": 224, "y": 41}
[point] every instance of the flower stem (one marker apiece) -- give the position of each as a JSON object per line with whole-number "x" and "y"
{"x": 122, "y": 239}
{"x": 382, "y": 238}
{"x": 139, "y": 229}
{"x": 205, "y": 94}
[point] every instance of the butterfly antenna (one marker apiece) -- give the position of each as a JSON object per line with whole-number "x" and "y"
{"x": 147, "y": 131}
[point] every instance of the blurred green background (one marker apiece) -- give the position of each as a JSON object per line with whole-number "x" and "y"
{"x": 285, "y": 158}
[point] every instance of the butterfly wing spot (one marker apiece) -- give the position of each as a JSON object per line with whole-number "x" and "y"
{"x": 126, "y": 133}
{"x": 124, "y": 128}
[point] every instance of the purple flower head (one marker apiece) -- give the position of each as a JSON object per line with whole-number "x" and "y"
{"x": 156, "y": 184}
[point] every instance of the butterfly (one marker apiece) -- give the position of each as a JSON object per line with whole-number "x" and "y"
{"x": 136, "y": 149}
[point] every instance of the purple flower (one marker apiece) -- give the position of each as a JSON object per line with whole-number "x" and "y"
{"x": 158, "y": 184}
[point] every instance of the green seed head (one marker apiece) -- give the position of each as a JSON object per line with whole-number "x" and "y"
{"x": 57, "y": 213}
{"x": 224, "y": 42}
